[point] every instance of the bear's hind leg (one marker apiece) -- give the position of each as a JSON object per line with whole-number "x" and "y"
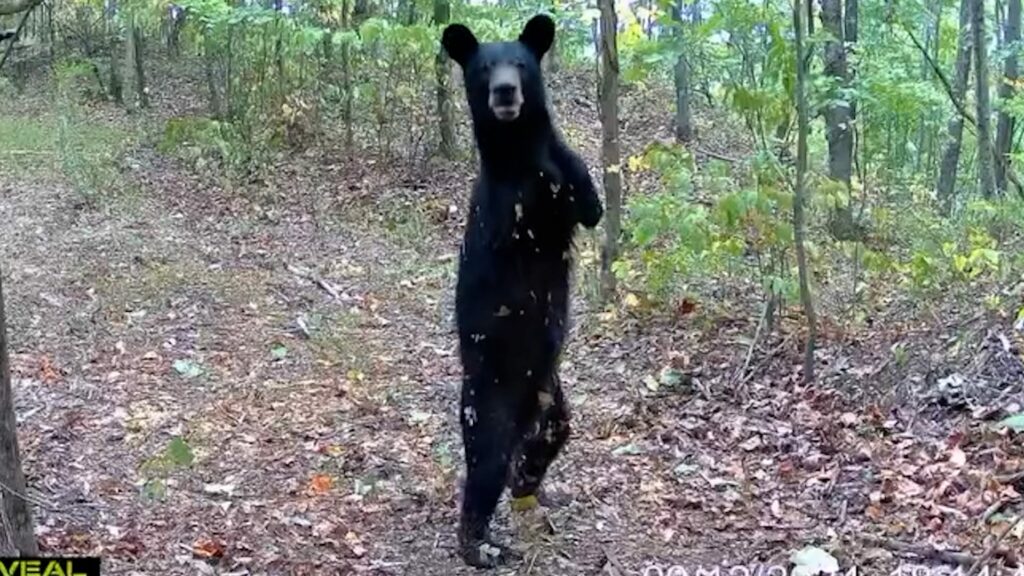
{"x": 543, "y": 445}
{"x": 490, "y": 432}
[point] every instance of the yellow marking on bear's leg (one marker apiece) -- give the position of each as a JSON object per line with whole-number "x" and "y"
{"x": 525, "y": 503}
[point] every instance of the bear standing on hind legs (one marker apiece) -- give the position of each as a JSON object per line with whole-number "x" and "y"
{"x": 512, "y": 297}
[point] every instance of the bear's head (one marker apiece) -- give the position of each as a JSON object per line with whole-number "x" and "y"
{"x": 503, "y": 79}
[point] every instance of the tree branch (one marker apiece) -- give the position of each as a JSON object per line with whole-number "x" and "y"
{"x": 17, "y": 33}
{"x": 8, "y": 7}
{"x": 941, "y": 76}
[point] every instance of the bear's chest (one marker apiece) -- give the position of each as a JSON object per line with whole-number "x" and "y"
{"x": 539, "y": 219}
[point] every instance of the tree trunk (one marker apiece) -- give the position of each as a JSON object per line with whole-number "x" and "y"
{"x": 946, "y": 183}
{"x": 931, "y": 38}
{"x": 116, "y": 82}
{"x": 684, "y": 120}
{"x": 17, "y": 531}
{"x": 346, "y": 76}
{"x": 838, "y": 117}
{"x": 131, "y": 68}
{"x": 932, "y": 141}
{"x": 551, "y": 59}
{"x": 445, "y": 113}
{"x": 1005, "y": 125}
{"x": 610, "y": 154}
{"x": 840, "y": 113}
{"x": 138, "y": 59}
{"x": 986, "y": 159}
{"x": 213, "y": 85}
{"x": 800, "y": 194}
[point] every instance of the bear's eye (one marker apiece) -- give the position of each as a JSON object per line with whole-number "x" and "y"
{"x": 520, "y": 64}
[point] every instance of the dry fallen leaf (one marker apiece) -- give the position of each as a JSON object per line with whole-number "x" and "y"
{"x": 957, "y": 458}
{"x": 208, "y": 548}
{"x": 874, "y": 512}
{"x": 355, "y": 544}
{"x": 320, "y": 484}
{"x": 46, "y": 370}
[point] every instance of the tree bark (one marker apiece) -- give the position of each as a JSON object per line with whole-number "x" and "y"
{"x": 213, "y": 86}
{"x": 986, "y": 158}
{"x": 838, "y": 116}
{"x": 840, "y": 112}
{"x": 1005, "y": 124}
{"x": 346, "y": 73}
{"x": 552, "y": 60}
{"x": 800, "y": 194}
{"x": 17, "y": 531}
{"x": 130, "y": 69}
{"x": 684, "y": 119}
{"x": 443, "y": 70}
{"x": 946, "y": 183}
{"x": 138, "y": 59}
{"x": 610, "y": 154}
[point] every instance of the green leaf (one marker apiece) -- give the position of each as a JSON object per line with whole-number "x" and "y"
{"x": 627, "y": 450}
{"x": 187, "y": 368}
{"x": 685, "y": 469}
{"x": 179, "y": 452}
{"x": 154, "y": 490}
{"x": 670, "y": 377}
{"x": 279, "y": 352}
{"x": 1015, "y": 422}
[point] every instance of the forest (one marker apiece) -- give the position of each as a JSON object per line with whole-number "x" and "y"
{"x": 229, "y": 238}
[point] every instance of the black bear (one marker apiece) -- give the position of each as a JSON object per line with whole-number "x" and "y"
{"x": 512, "y": 297}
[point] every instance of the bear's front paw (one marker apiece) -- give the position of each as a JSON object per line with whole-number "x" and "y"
{"x": 586, "y": 204}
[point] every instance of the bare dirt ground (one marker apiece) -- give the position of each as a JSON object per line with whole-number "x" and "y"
{"x": 264, "y": 380}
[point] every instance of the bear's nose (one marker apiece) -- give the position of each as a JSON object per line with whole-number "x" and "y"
{"x": 505, "y": 93}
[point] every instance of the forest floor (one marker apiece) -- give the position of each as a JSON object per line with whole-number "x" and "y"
{"x": 264, "y": 380}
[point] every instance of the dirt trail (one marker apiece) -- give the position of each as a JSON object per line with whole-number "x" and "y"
{"x": 264, "y": 381}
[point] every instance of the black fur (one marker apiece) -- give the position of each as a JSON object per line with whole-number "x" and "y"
{"x": 512, "y": 298}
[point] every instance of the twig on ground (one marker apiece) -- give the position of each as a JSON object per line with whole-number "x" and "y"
{"x": 993, "y": 509}
{"x": 922, "y": 551}
{"x": 991, "y": 551}
{"x": 929, "y": 552}
{"x": 1011, "y": 478}
{"x": 611, "y": 566}
{"x": 718, "y": 156}
{"x": 740, "y": 378}
{"x": 529, "y": 569}
{"x": 316, "y": 279}
{"x": 27, "y": 498}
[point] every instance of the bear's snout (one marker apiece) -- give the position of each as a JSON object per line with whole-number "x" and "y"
{"x": 506, "y": 98}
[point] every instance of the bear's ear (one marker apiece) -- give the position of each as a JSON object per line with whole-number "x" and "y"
{"x": 538, "y": 34}
{"x": 459, "y": 43}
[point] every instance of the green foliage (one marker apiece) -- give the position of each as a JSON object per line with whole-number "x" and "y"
{"x": 931, "y": 254}
{"x": 676, "y": 240}
{"x": 1015, "y": 422}
{"x": 206, "y": 143}
{"x": 87, "y": 151}
{"x": 176, "y": 455}
{"x": 188, "y": 369}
